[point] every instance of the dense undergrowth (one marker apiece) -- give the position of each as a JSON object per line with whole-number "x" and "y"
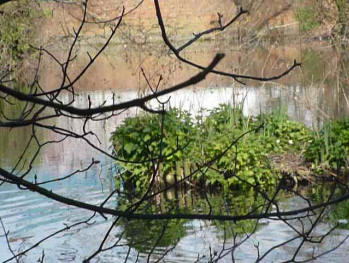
{"x": 187, "y": 144}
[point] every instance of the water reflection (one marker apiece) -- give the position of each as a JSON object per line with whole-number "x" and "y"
{"x": 143, "y": 235}
{"x": 303, "y": 104}
{"x": 318, "y": 92}
{"x": 13, "y": 141}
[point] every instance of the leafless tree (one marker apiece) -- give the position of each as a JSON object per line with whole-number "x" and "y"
{"x": 40, "y": 108}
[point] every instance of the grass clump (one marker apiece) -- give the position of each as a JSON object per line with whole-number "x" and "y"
{"x": 329, "y": 149}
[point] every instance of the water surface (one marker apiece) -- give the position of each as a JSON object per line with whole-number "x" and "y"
{"x": 312, "y": 95}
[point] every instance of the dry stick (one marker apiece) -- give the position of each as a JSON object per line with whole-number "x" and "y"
{"x": 307, "y": 233}
{"x": 260, "y": 258}
{"x": 100, "y": 248}
{"x": 163, "y": 231}
{"x": 69, "y": 59}
{"x": 70, "y": 52}
{"x": 20, "y": 158}
{"x": 40, "y": 146}
{"x": 22, "y": 123}
{"x": 93, "y": 59}
{"x": 326, "y": 252}
{"x": 237, "y": 244}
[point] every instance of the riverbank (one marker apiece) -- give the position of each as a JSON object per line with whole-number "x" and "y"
{"x": 138, "y": 44}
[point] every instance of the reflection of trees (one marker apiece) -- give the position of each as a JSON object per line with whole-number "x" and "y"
{"x": 324, "y": 90}
{"x": 334, "y": 99}
{"x": 145, "y": 235}
{"x": 18, "y": 147}
{"x": 238, "y": 204}
{"x": 338, "y": 214}
{"x": 343, "y": 82}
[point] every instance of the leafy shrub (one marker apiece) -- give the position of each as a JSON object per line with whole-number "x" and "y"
{"x": 249, "y": 162}
{"x": 284, "y": 134}
{"x": 330, "y": 147}
{"x": 210, "y": 138}
{"x": 141, "y": 139}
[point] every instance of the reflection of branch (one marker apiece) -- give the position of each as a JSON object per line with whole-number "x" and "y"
{"x": 16, "y": 257}
{"x": 93, "y": 162}
{"x": 67, "y": 227}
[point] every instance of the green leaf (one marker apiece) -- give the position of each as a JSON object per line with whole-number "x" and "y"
{"x": 129, "y": 147}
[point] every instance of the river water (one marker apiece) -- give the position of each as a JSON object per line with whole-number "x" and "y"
{"x": 30, "y": 217}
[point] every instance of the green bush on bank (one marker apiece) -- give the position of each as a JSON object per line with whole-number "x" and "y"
{"x": 188, "y": 144}
{"x": 140, "y": 140}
